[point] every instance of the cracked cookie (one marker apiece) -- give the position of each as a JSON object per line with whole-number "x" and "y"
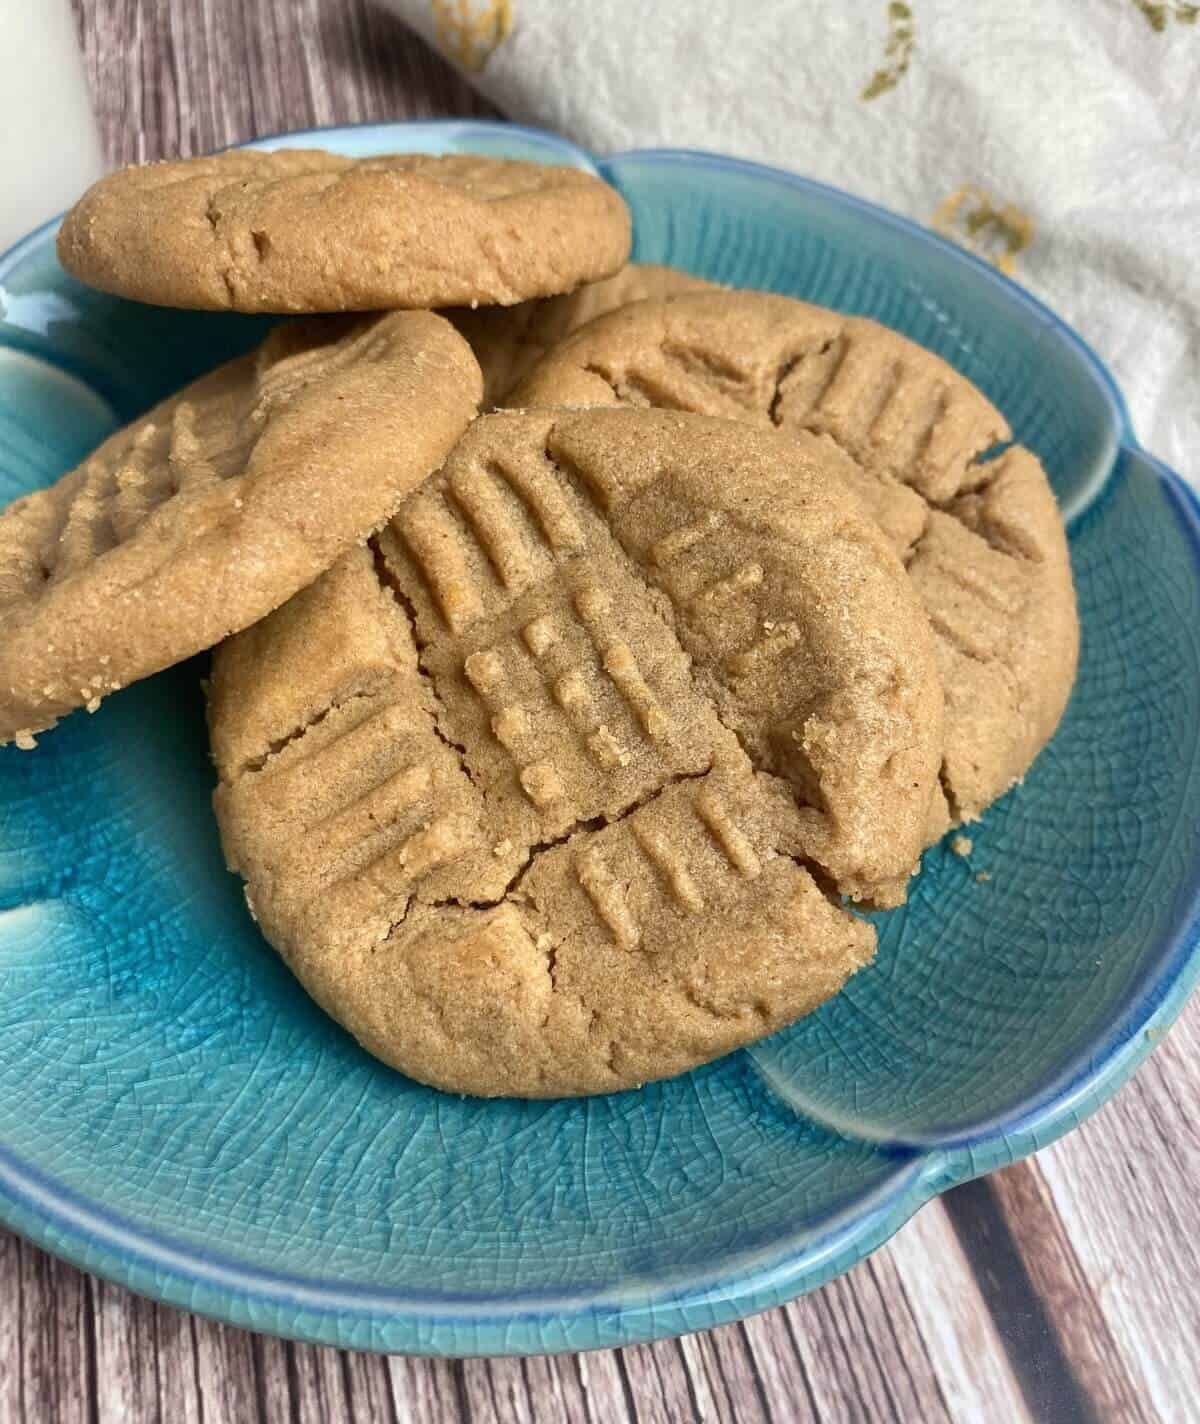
{"x": 301, "y": 230}
{"x": 979, "y": 530}
{"x": 217, "y": 505}
{"x": 549, "y": 790}
{"x": 508, "y": 342}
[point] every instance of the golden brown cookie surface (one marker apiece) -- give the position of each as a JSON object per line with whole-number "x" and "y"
{"x": 302, "y": 230}
{"x": 508, "y": 342}
{"x": 218, "y": 504}
{"x": 982, "y": 539}
{"x": 541, "y": 798}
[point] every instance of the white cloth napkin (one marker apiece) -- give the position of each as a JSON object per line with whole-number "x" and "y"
{"x": 1059, "y": 137}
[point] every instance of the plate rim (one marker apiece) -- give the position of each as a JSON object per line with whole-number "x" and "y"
{"x": 155, "y": 1263}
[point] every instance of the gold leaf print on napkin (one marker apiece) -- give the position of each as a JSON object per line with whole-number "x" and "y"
{"x": 1157, "y": 14}
{"x": 996, "y": 232}
{"x": 469, "y": 32}
{"x": 896, "y": 53}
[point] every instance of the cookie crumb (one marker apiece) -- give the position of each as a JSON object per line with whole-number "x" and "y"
{"x": 609, "y": 752}
{"x": 92, "y": 704}
{"x": 962, "y": 845}
{"x": 25, "y": 740}
{"x": 982, "y": 877}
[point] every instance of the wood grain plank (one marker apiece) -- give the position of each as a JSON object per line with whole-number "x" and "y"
{"x": 771, "y": 1337}
{"x": 175, "y": 77}
{"x": 656, "y": 1387}
{"x": 495, "y": 1392}
{"x": 273, "y": 1378}
{"x": 558, "y": 1390}
{"x": 600, "y": 1380}
{"x": 738, "y": 1378}
{"x": 179, "y": 1392}
{"x": 1041, "y": 1364}
{"x": 318, "y": 1383}
{"x": 369, "y": 1385}
{"x": 1067, "y": 1299}
{"x": 46, "y": 1310}
{"x": 1125, "y": 1191}
{"x": 423, "y": 1389}
{"x": 127, "y": 1358}
{"x": 226, "y": 1373}
{"x": 527, "y": 1391}
{"x": 848, "y": 1337}
{"x": 961, "y": 1336}
{"x": 12, "y": 1383}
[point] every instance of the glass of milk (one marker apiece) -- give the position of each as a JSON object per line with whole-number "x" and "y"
{"x": 49, "y": 144}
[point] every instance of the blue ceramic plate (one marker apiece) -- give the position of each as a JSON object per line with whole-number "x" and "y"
{"x": 176, "y": 1115}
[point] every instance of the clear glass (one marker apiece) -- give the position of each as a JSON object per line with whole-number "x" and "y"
{"x": 49, "y": 143}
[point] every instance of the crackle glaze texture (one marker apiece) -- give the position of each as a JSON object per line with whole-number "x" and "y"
{"x": 175, "y": 1113}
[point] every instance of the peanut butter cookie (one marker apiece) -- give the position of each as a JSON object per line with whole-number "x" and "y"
{"x": 508, "y": 342}
{"x": 217, "y": 505}
{"x": 301, "y": 230}
{"x": 550, "y": 789}
{"x": 981, "y": 535}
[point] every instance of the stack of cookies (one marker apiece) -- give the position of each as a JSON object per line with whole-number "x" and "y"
{"x": 558, "y": 745}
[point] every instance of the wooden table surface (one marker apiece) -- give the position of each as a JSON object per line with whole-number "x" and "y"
{"x": 1064, "y": 1288}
